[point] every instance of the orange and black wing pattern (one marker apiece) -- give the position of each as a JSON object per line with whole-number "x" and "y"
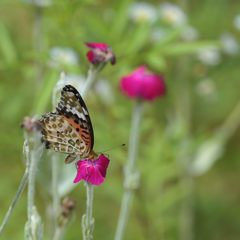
{"x": 69, "y": 129}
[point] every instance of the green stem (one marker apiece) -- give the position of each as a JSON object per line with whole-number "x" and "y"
{"x": 59, "y": 233}
{"x": 131, "y": 177}
{"x": 87, "y": 219}
{"x": 124, "y": 214}
{"x": 134, "y": 135}
{"x": 55, "y": 193}
{"x": 21, "y": 187}
{"x": 91, "y": 78}
{"x": 89, "y": 206}
{"x": 35, "y": 153}
{"x": 31, "y": 187}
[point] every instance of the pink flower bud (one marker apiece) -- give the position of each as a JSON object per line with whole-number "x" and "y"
{"x": 92, "y": 171}
{"x": 143, "y": 84}
{"x": 30, "y": 124}
{"x": 100, "y": 53}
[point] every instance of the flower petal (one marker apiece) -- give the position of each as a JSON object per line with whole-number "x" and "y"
{"x": 102, "y": 164}
{"x": 101, "y": 46}
{"x": 95, "y": 177}
{"x": 100, "y": 53}
{"x": 92, "y": 171}
{"x": 81, "y": 170}
{"x": 143, "y": 84}
{"x": 90, "y": 56}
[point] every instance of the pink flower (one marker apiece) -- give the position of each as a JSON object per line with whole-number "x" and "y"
{"x": 143, "y": 84}
{"x": 92, "y": 171}
{"x": 100, "y": 53}
{"x": 30, "y": 124}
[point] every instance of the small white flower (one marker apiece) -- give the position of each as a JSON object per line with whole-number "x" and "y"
{"x": 60, "y": 56}
{"x": 142, "y": 12}
{"x": 172, "y": 14}
{"x": 209, "y": 56}
{"x": 229, "y": 44}
{"x": 189, "y": 34}
{"x": 206, "y": 87}
{"x": 39, "y": 3}
{"x": 236, "y": 22}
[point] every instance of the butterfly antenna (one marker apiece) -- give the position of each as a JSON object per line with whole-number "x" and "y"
{"x": 109, "y": 149}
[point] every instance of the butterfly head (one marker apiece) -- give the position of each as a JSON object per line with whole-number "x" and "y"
{"x": 92, "y": 155}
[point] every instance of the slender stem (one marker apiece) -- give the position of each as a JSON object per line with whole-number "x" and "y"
{"x": 124, "y": 214}
{"x": 87, "y": 219}
{"x": 55, "y": 193}
{"x": 59, "y": 233}
{"x": 91, "y": 78}
{"x": 31, "y": 186}
{"x": 134, "y": 135}
{"x": 21, "y": 187}
{"x": 89, "y": 203}
{"x": 130, "y": 171}
{"x": 35, "y": 153}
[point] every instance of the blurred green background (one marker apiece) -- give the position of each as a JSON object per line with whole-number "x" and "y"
{"x": 189, "y": 147}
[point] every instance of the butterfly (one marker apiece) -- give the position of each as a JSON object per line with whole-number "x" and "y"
{"x": 69, "y": 129}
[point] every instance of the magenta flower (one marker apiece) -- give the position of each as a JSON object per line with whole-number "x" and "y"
{"x": 143, "y": 84}
{"x": 100, "y": 53}
{"x": 92, "y": 171}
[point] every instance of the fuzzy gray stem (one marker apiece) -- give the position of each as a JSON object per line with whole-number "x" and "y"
{"x": 35, "y": 153}
{"x": 59, "y": 233}
{"x": 21, "y": 187}
{"x": 124, "y": 214}
{"x": 31, "y": 187}
{"x": 89, "y": 203}
{"x": 55, "y": 193}
{"x": 130, "y": 171}
{"x": 87, "y": 219}
{"x": 91, "y": 78}
{"x": 134, "y": 136}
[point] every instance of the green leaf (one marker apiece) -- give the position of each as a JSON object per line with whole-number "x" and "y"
{"x": 187, "y": 48}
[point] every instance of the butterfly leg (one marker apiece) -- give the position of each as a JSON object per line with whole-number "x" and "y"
{"x": 70, "y": 158}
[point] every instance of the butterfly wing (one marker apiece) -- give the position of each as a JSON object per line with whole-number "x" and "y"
{"x": 69, "y": 129}
{"x": 59, "y": 135}
{"x": 73, "y": 108}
